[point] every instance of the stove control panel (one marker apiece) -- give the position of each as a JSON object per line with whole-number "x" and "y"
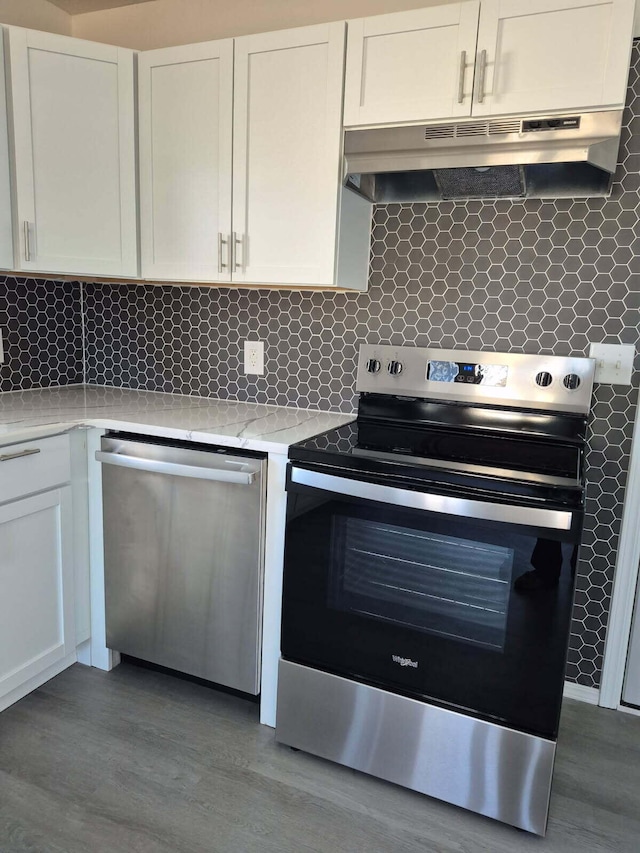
{"x": 549, "y": 383}
{"x": 466, "y": 372}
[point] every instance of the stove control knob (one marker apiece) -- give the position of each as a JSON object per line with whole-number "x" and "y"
{"x": 571, "y": 381}
{"x": 395, "y": 368}
{"x": 544, "y": 379}
{"x": 373, "y": 365}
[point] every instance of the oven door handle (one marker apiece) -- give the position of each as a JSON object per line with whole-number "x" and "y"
{"x": 550, "y": 519}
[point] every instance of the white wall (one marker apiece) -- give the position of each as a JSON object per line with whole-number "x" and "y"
{"x": 160, "y": 23}
{"x": 35, "y": 14}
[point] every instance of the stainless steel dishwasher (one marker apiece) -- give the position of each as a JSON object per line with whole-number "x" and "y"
{"x": 183, "y": 547}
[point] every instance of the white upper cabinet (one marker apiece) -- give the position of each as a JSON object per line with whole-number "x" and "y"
{"x": 496, "y": 57}
{"x": 72, "y": 103}
{"x": 287, "y": 157}
{"x": 240, "y": 163}
{"x": 6, "y": 232}
{"x": 411, "y": 66}
{"x": 550, "y": 55}
{"x": 186, "y": 127}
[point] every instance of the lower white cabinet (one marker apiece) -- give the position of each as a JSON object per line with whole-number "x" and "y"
{"x": 37, "y": 619}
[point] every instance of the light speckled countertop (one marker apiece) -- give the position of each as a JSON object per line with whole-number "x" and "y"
{"x": 39, "y": 412}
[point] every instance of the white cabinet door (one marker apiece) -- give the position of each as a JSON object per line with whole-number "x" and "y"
{"x": 74, "y": 140}
{"x": 287, "y": 155}
{"x": 186, "y": 126}
{"x": 37, "y": 628}
{"x": 6, "y": 232}
{"x": 411, "y": 66}
{"x": 548, "y": 55}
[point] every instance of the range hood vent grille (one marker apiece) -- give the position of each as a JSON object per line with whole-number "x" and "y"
{"x": 504, "y": 127}
{"x": 473, "y": 128}
{"x": 440, "y": 131}
{"x": 470, "y": 129}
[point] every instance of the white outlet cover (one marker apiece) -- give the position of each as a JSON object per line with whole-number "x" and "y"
{"x": 614, "y": 363}
{"x": 254, "y": 358}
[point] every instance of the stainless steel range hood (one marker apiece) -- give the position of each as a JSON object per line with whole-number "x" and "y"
{"x": 566, "y": 156}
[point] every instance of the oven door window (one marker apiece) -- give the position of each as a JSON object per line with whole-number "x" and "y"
{"x": 443, "y": 584}
{"x": 470, "y": 613}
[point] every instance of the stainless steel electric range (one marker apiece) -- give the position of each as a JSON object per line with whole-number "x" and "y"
{"x": 430, "y": 560}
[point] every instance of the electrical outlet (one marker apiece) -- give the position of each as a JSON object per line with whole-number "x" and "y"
{"x": 254, "y": 357}
{"x": 614, "y": 363}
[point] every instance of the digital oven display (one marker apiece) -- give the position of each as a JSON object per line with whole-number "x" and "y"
{"x": 491, "y": 375}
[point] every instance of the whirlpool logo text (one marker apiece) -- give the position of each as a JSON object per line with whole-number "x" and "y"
{"x": 404, "y": 661}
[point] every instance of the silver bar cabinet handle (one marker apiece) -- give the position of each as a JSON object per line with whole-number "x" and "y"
{"x": 221, "y": 244}
{"x": 482, "y": 71}
{"x": 240, "y": 478}
{"x": 427, "y": 502}
{"x": 27, "y": 240}
{"x": 235, "y": 242}
{"x": 19, "y": 454}
{"x": 463, "y": 68}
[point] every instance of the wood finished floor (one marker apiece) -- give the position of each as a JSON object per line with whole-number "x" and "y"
{"x": 137, "y": 761}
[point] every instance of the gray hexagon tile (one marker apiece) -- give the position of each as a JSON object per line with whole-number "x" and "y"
{"x": 523, "y": 276}
{"x": 41, "y": 323}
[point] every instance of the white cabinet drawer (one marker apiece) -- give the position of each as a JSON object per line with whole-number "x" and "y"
{"x": 34, "y": 466}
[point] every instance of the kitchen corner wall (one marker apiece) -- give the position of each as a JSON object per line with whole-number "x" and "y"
{"x": 41, "y": 323}
{"x": 526, "y": 276}
{"x": 531, "y": 276}
{"x": 37, "y": 15}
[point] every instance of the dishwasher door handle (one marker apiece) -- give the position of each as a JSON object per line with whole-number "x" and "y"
{"x": 240, "y": 478}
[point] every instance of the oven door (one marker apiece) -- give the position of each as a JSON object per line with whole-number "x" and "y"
{"x": 423, "y": 593}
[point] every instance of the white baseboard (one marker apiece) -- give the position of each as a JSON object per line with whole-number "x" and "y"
{"x": 627, "y": 710}
{"x": 590, "y": 695}
{"x": 37, "y": 681}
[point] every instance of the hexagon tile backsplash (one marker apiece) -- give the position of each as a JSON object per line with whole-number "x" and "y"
{"x": 41, "y": 323}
